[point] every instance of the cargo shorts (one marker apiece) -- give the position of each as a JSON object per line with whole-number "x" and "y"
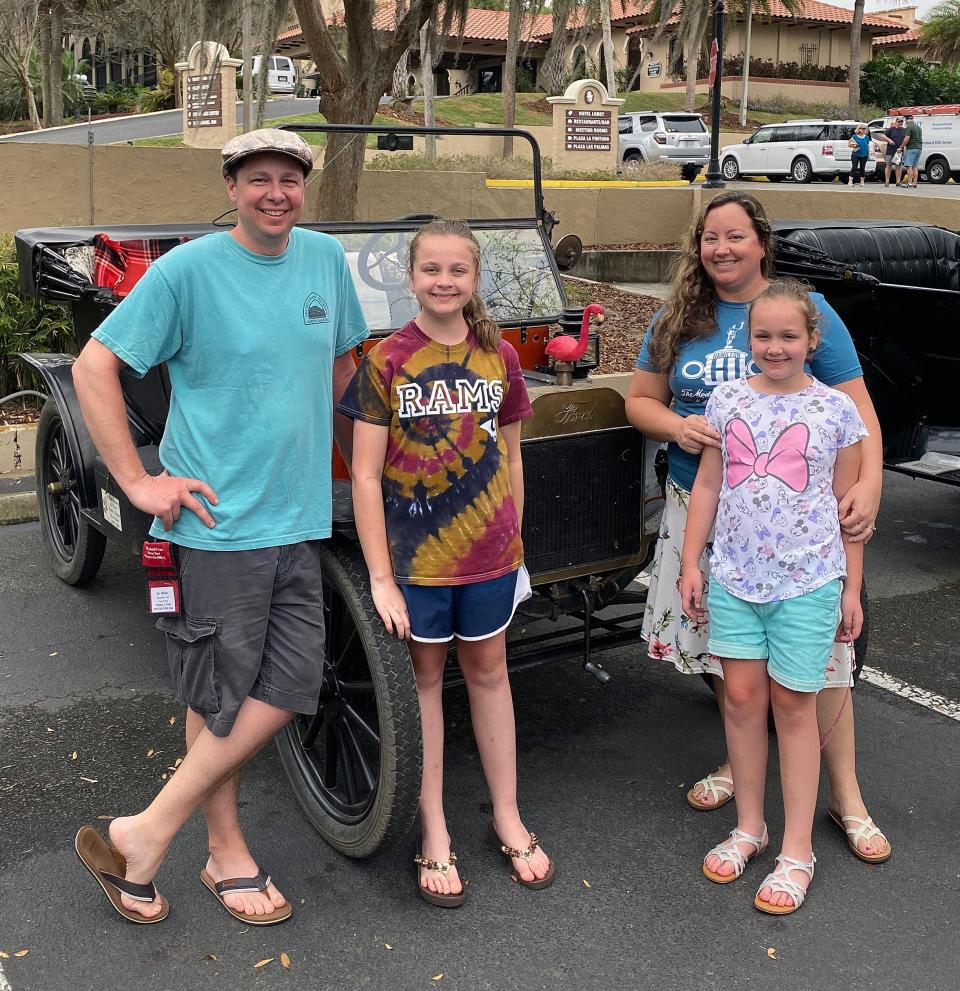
{"x": 250, "y": 626}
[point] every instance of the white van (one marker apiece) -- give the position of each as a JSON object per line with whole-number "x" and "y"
{"x": 940, "y": 155}
{"x": 281, "y": 74}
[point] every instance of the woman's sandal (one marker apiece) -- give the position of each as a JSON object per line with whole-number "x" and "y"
{"x": 718, "y": 786}
{"x": 245, "y": 885}
{"x": 450, "y": 900}
{"x": 510, "y": 852}
{"x": 863, "y": 829}
{"x": 729, "y": 852}
{"x": 779, "y": 880}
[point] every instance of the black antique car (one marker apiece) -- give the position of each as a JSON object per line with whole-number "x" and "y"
{"x": 897, "y": 287}
{"x": 590, "y": 511}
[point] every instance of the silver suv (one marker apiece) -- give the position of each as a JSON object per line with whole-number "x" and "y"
{"x": 652, "y": 136}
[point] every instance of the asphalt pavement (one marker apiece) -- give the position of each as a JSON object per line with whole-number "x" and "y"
{"x": 157, "y": 125}
{"x": 85, "y": 731}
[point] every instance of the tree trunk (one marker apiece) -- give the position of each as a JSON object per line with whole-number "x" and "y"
{"x": 692, "y": 53}
{"x": 608, "y": 47}
{"x": 853, "y": 79}
{"x": 426, "y": 81}
{"x": 554, "y": 68}
{"x": 26, "y": 87}
{"x": 44, "y": 45}
{"x": 270, "y": 16}
{"x": 509, "y": 86}
{"x": 400, "y": 74}
{"x": 55, "y": 116}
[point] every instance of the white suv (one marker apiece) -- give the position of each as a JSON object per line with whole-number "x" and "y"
{"x": 651, "y": 136}
{"x": 800, "y": 149}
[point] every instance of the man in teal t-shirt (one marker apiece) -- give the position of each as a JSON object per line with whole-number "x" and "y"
{"x": 912, "y": 150}
{"x": 256, "y": 326}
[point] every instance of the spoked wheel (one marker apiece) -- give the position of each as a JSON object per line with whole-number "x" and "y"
{"x": 355, "y": 765}
{"x": 74, "y": 547}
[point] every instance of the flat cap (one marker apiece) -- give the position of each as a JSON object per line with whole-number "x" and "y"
{"x": 264, "y": 140}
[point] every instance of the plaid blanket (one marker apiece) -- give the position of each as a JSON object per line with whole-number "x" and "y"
{"x": 119, "y": 265}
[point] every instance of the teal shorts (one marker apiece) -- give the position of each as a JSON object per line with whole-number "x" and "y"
{"x": 794, "y": 636}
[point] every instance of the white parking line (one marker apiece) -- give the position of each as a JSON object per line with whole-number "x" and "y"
{"x": 4, "y": 983}
{"x": 929, "y": 700}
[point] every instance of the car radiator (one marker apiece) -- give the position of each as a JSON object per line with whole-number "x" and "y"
{"x": 583, "y": 509}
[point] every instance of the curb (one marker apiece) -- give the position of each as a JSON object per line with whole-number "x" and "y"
{"x": 18, "y": 498}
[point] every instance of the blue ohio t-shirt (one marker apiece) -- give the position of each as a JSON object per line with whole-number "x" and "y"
{"x": 724, "y": 356}
{"x": 249, "y": 341}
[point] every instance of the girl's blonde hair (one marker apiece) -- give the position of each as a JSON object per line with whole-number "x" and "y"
{"x": 690, "y": 312}
{"x": 796, "y": 292}
{"x": 475, "y": 313}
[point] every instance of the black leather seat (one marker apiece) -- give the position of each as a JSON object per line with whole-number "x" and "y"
{"x": 900, "y": 254}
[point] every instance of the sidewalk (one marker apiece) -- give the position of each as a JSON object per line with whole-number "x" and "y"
{"x": 18, "y": 498}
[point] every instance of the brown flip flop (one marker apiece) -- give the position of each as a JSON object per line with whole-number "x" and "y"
{"x": 441, "y": 867}
{"x": 235, "y": 885}
{"x": 109, "y": 868}
{"x": 510, "y": 852}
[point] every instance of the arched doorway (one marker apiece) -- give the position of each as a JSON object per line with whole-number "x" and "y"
{"x": 579, "y": 65}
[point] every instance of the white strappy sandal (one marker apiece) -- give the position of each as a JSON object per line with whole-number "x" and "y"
{"x": 780, "y": 880}
{"x": 863, "y": 829}
{"x": 718, "y": 786}
{"x": 730, "y": 853}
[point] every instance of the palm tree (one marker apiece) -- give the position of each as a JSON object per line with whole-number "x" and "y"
{"x": 853, "y": 75}
{"x": 940, "y": 34}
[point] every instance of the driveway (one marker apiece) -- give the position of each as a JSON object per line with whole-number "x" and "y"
{"x": 88, "y": 728}
{"x": 157, "y": 125}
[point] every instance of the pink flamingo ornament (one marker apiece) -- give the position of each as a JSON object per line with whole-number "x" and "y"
{"x": 563, "y": 347}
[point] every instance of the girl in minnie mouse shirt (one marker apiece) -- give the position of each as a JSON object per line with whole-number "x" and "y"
{"x": 785, "y": 582}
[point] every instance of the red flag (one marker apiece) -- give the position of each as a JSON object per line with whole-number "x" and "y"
{"x": 713, "y": 62}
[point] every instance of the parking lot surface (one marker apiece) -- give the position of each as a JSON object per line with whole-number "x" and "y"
{"x": 86, "y": 731}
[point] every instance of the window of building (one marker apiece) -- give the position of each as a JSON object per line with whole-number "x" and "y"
{"x": 809, "y": 54}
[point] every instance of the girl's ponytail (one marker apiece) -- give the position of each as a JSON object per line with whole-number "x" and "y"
{"x": 486, "y": 330}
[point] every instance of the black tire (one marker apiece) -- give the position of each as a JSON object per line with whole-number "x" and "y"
{"x": 632, "y": 160}
{"x": 801, "y": 170}
{"x": 729, "y": 169}
{"x": 938, "y": 170}
{"x": 358, "y": 779}
{"x": 75, "y": 548}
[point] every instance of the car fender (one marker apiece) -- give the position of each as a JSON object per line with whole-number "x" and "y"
{"x": 57, "y": 372}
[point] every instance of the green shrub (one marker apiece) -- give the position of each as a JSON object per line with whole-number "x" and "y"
{"x": 25, "y": 325}
{"x": 116, "y": 99}
{"x": 161, "y": 98}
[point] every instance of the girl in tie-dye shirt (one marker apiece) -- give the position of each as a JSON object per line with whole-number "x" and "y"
{"x": 438, "y": 500}
{"x": 785, "y": 581}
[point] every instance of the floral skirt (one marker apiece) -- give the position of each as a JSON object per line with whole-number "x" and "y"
{"x": 674, "y": 636}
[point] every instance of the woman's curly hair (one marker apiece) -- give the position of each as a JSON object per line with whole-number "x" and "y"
{"x": 690, "y": 311}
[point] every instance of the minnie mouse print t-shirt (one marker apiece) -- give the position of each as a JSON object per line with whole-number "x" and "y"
{"x": 778, "y": 527}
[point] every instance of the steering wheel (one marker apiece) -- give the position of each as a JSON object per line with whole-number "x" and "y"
{"x": 386, "y": 253}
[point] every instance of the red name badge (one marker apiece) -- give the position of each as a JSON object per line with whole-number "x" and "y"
{"x": 163, "y": 582}
{"x": 164, "y": 596}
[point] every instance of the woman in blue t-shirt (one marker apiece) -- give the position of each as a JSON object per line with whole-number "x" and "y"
{"x": 695, "y": 342}
{"x": 860, "y": 153}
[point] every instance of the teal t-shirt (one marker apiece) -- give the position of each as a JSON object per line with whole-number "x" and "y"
{"x": 249, "y": 341}
{"x": 724, "y": 356}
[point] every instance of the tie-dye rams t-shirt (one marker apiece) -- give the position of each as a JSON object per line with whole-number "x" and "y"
{"x": 778, "y": 527}
{"x": 450, "y": 516}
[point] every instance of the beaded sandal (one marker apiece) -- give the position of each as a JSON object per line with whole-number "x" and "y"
{"x": 730, "y": 853}
{"x": 441, "y": 867}
{"x": 779, "y": 880}
{"x": 718, "y": 786}
{"x": 863, "y": 829}
{"x": 510, "y": 852}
